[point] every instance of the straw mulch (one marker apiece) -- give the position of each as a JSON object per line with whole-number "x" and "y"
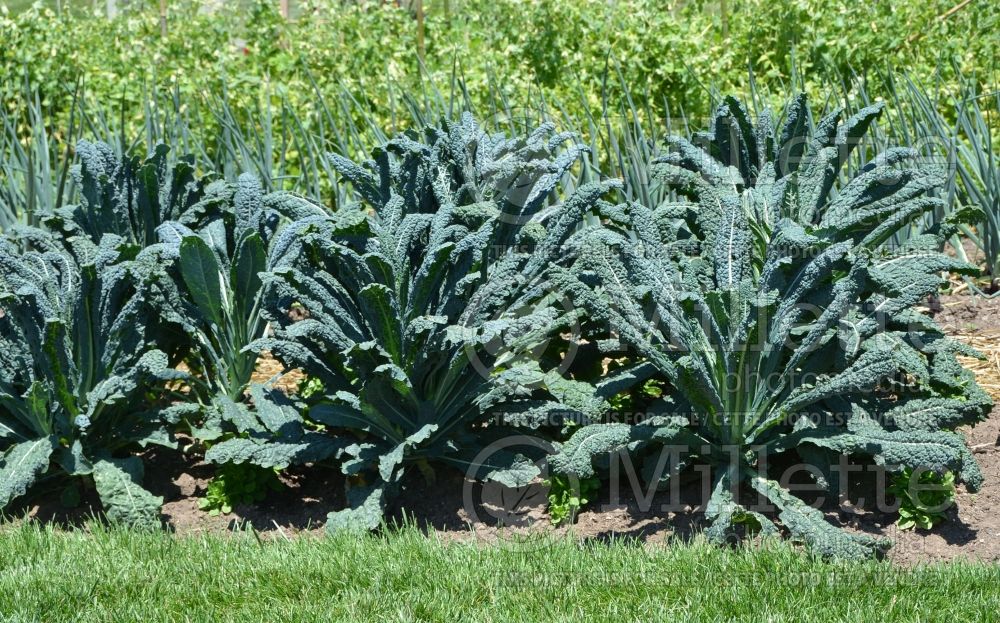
{"x": 268, "y": 369}
{"x": 987, "y": 370}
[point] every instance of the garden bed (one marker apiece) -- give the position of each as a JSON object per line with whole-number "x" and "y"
{"x": 971, "y": 531}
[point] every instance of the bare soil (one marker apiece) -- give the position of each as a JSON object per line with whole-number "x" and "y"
{"x": 960, "y": 315}
{"x": 454, "y": 509}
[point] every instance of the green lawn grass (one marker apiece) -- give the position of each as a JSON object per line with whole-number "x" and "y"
{"x": 117, "y": 575}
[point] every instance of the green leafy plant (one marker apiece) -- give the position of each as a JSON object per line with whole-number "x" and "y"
{"x": 923, "y": 497}
{"x": 79, "y": 375}
{"x": 427, "y": 310}
{"x": 514, "y": 40}
{"x": 568, "y": 495}
{"x": 33, "y": 179}
{"x": 238, "y": 484}
{"x": 978, "y": 168}
{"x": 781, "y": 324}
{"x": 309, "y": 387}
{"x": 210, "y": 287}
{"x": 132, "y": 197}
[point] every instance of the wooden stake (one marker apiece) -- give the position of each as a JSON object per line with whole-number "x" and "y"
{"x": 955, "y": 9}
{"x": 419, "y": 4}
{"x": 163, "y": 19}
{"x": 725, "y": 19}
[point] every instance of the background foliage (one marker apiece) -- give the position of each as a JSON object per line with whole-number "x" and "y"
{"x": 672, "y": 54}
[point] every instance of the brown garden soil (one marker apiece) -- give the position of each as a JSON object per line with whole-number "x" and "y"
{"x": 455, "y": 511}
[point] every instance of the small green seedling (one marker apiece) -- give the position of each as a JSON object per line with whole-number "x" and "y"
{"x": 238, "y": 484}
{"x": 566, "y": 500}
{"x": 923, "y": 499}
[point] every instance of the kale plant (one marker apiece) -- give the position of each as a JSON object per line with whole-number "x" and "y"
{"x": 781, "y": 323}
{"x": 131, "y": 197}
{"x": 78, "y": 371}
{"x": 428, "y": 322}
{"x": 210, "y": 287}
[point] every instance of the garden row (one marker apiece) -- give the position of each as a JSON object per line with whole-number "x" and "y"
{"x": 468, "y": 290}
{"x": 285, "y": 146}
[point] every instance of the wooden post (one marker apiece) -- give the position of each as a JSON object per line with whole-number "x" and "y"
{"x": 163, "y": 19}
{"x": 419, "y": 5}
{"x": 283, "y": 4}
{"x": 725, "y": 19}
{"x": 112, "y": 8}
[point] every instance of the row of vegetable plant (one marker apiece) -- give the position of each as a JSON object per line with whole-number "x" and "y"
{"x": 469, "y": 288}
{"x": 285, "y": 147}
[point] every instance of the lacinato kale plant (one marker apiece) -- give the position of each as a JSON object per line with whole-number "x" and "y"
{"x": 210, "y": 287}
{"x": 780, "y": 323}
{"x": 79, "y": 378}
{"x": 423, "y": 313}
{"x": 131, "y": 197}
